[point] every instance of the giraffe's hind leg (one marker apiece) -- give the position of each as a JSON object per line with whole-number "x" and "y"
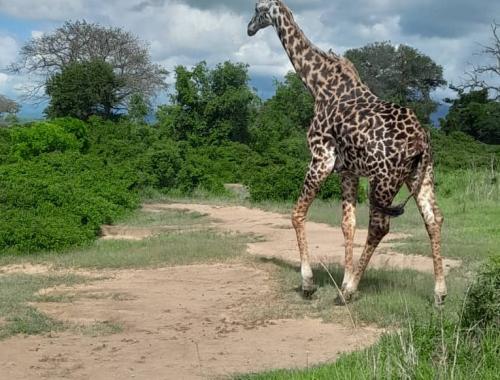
{"x": 382, "y": 194}
{"x": 426, "y": 202}
{"x": 317, "y": 173}
{"x": 377, "y": 229}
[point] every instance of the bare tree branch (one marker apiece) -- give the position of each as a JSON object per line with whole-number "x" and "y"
{"x": 486, "y": 76}
{"x": 79, "y": 41}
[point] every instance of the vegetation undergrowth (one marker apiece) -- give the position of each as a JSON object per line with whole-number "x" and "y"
{"x": 16, "y": 315}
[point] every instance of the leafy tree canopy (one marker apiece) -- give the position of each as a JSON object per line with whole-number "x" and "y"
{"x": 82, "y": 90}
{"x": 210, "y": 105}
{"x": 400, "y": 74}
{"x": 475, "y": 114}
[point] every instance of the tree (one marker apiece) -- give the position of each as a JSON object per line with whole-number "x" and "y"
{"x": 78, "y": 42}
{"x": 293, "y": 99}
{"x": 82, "y": 90}
{"x": 209, "y": 106}
{"x": 138, "y": 109}
{"x": 8, "y": 106}
{"x": 487, "y": 76}
{"x": 283, "y": 119}
{"x": 475, "y": 114}
{"x": 401, "y": 74}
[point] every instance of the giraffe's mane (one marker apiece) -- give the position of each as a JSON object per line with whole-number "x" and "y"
{"x": 345, "y": 63}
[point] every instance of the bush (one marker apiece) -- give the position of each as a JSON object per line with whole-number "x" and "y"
{"x": 482, "y": 307}
{"x": 460, "y": 151}
{"x": 70, "y": 196}
{"x": 284, "y": 180}
{"x": 42, "y": 137}
{"x": 77, "y": 128}
{"x": 161, "y": 165}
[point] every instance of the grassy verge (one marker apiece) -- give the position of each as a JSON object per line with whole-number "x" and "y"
{"x": 434, "y": 349}
{"x": 385, "y": 297}
{"x": 171, "y": 248}
{"x": 16, "y": 291}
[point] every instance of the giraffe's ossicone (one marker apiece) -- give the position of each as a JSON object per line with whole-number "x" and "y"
{"x": 355, "y": 134}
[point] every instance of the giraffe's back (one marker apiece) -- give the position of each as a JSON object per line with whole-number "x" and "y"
{"x": 374, "y": 139}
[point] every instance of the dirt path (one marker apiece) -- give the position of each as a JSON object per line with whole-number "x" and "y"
{"x": 179, "y": 323}
{"x": 326, "y": 242}
{"x": 190, "y": 322}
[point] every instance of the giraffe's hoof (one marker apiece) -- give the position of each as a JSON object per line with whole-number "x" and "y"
{"x": 344, "y": 297}
{"x": 308, "y": 291}
{"x": 439, "y": 300}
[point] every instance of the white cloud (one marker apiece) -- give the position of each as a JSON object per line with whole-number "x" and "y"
{"x": 9, "y": 49}
{"x": 43, "y": 10}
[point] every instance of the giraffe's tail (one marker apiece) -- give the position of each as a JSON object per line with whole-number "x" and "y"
{"x": 419, "y": 166}
{"x": 392, "y": 211}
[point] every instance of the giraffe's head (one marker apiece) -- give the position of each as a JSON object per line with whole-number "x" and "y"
{"x": 265, "y": 12}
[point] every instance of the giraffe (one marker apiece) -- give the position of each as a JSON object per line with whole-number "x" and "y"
{"x": 355, "y": 134}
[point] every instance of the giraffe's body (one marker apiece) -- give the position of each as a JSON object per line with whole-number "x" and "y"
{"x": 355, "y": 134}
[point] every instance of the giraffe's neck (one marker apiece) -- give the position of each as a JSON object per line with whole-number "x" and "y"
{"x": 322, "y": 73}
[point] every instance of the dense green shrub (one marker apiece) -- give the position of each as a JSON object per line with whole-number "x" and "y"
{"x": 5, "y": 144}
{"x": 42, "y": 137}
{"x": 460, "y": 151}
{"x": 278, "y": 181}
{"x": 482, "y": 307}
{"x": 60, "y": 200}
{"x": 77, "y": 128}
{"x": 160, "y": 165}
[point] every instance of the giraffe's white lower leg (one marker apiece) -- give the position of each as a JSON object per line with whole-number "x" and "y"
{"x": 433, "y": 219}
{"x": 307, "y": 277}
{"x": 317, "y": 173}
{"x": 347, "y": 280}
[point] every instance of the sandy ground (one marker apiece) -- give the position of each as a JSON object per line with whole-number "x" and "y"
{"x": 191, "y": 322}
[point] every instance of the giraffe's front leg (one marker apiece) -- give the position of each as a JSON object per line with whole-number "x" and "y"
{"x": 349, "y": 194}
{"x": 317, "y": 173}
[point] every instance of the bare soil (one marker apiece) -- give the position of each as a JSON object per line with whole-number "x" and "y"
{"x": 191, "y": 322}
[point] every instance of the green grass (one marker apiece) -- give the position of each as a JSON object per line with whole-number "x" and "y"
{"x": 16, "y": 291}
{"x": 177, "y": 218}
{"x": 385, "y": 296}
{"x": 434, "y": 349}
{"x": 172, "y": 248}
{"x": 163, "y": 250}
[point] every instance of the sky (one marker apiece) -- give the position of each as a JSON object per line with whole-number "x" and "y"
{"x": 188, "y": 31}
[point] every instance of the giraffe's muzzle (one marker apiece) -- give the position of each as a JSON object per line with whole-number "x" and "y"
{"x": 252, "y": 28}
